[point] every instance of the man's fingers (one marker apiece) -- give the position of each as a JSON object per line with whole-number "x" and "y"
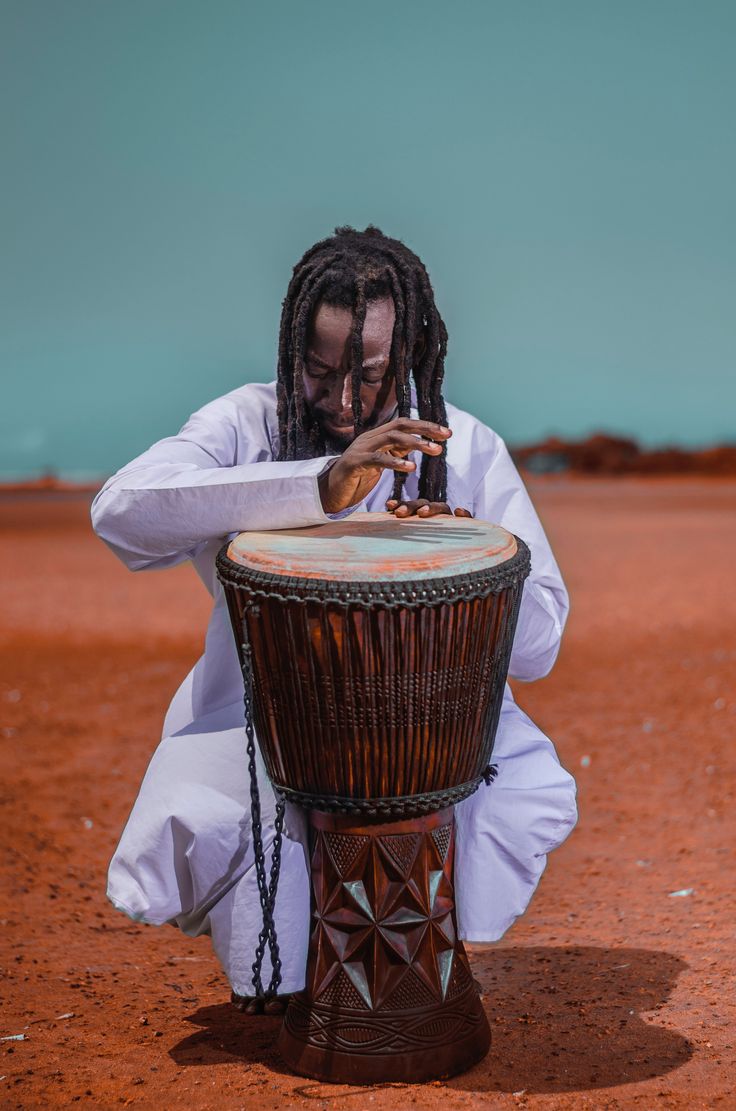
{"x": 420, "y": 507}
{"x": 392, "y": 462}
{"x": 402, "y": 442}
{"x": 434, "y": 509}
{"x": 406, "y": 426}
{"x": 409, "y": 508}
{"x": 420, "y": 428}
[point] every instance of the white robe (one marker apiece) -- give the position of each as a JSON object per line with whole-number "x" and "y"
{"x": 186, "y": 853}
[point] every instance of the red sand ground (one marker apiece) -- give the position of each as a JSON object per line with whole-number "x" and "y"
{"x": 609, "y": 993}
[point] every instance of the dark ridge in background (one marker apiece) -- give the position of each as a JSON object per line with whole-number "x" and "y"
{"x": 613, "y": 455}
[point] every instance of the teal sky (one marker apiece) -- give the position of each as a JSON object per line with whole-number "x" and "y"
{"x": 565, "y": 169}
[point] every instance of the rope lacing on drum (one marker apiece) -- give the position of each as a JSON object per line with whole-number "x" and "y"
{"x": 267, "y": 888}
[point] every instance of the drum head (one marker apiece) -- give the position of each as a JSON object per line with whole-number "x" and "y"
{"x": 377, "y": 547}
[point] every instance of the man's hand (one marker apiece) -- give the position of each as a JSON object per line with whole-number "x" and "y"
{"x": 420, "y": 507}
{"x": 354, "y": 474}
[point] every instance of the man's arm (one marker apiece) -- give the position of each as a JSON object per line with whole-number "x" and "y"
{"x": 187, "y": 489}
{"x": 501, "y": 497}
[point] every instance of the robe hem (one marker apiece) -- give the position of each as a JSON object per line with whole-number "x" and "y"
{"x": 568, "y": 823}
{"x": 139, "y": 916}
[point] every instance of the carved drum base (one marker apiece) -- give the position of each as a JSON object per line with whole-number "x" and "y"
{"x": 389, "y": 994}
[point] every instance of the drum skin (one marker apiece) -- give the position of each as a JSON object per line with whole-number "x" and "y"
{"x": 376, "y": 690}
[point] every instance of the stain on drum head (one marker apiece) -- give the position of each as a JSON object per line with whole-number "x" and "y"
{"x": 377, "y": 547}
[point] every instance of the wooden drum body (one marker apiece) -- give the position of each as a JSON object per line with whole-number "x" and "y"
{"x": 378, "y": 651}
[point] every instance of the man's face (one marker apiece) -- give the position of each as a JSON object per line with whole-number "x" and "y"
{"x": 327, "y": 381}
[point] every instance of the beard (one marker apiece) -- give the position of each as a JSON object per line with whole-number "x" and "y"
{"x": 336, "y": 445}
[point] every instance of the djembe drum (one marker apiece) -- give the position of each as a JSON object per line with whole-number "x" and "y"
{"x": 376, "y": 651}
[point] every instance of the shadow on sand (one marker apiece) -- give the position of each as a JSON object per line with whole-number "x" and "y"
{"x": 562, "y": 1019}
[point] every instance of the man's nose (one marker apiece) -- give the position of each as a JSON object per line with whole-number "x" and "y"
{"x": 346, "y": 398}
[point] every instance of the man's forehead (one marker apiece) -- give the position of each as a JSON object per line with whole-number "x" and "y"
{"x": 378, "y": 315}
{"x": 332, "y": 326}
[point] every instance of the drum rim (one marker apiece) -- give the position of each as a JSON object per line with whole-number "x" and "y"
{"x": 386, "y": 594}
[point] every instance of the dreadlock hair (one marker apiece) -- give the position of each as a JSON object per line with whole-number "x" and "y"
{"x": 350, "y": 269}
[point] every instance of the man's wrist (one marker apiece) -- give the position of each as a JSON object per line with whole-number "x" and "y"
{"x": 323, "y": 485}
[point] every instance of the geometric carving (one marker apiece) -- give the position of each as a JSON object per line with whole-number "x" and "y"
{"x": 342, "y": 992}
{"x": 344, "y": 850}
{"x": 387, "y": 980}
{"x": 357, "y": 889}
{"x": 356, "y": 972}
{"x": 435, "y": 879}
{"x": 357, "y": 1035}
{"x": 444, "y": 966}
{"x": 460, "y": 981}
{"x": 447, "y": 926}
{"x": 401, "y": 849}
{"x": 441, "y": 839}
{"x": 411, "y": 992}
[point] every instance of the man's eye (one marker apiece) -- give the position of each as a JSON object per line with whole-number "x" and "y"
{"x": 316, "y": 371}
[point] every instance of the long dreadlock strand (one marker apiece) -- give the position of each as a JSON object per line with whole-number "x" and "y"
{"x": 430, "y": 406}
{"x": 291, "y": 351}
{"x": 400, "y": 363}
{"x": 356, "y": 355}
{"x": 408, "y": 280}
{"x": 302, "y": 276}
{"x": 430, "y": 375}
{"x": 309, "y": 437}
{"x": 438, "y": 401}
{"x": 284, "y": 385}
{"x": 317, "y": 269}
{"x": 398, "y": 345}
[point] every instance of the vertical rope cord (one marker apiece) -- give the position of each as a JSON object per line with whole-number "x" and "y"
{"x": 267, "y": 888}
{"x": 273, "y": 884}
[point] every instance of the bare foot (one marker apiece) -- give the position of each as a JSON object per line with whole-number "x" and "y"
{"x": 257, "y": 1005}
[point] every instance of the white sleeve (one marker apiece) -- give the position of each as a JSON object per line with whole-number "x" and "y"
{"x": 188, "y": 489}
{"x": 501, "y": 497}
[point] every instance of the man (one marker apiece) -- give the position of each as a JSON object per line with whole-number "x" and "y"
{"x": 342, "y": 428}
